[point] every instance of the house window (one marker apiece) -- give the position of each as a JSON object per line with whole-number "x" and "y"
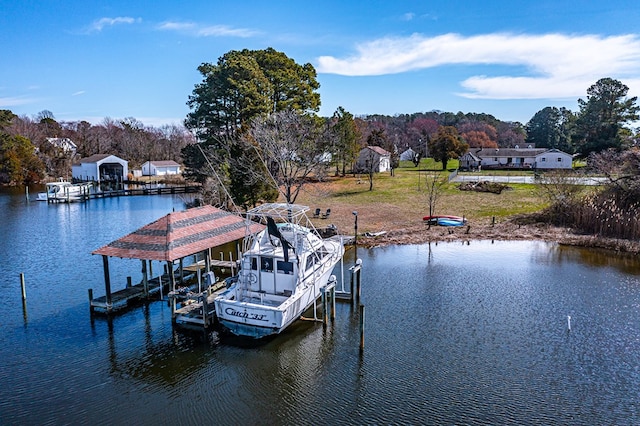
{"x": 543, "y": 159}
{"x": 559, "y": 159}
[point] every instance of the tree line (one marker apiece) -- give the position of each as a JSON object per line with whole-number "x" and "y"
{"x": 27, "y": 156}
{"x": 253, "y": 129}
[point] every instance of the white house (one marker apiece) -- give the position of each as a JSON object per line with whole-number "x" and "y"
{"x": 65, "y": 144}
{"x": 373, "y": 158}
{"x": 160, "y": 168}
{"x": 101, "y": 167}
{"x": 516, "y": 158}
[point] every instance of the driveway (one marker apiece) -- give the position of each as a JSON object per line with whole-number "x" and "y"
{"x": 525, "y": 179}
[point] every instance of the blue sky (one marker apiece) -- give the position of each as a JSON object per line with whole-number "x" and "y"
{"x": 87, "y": 60}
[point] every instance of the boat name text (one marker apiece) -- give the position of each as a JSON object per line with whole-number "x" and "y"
{"x": 246, "y": 315}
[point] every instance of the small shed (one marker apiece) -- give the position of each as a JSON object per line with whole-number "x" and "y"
{"x": 161, "y": 168}
{"x": 373, "y": 158}
{"x": 100, "y": 167}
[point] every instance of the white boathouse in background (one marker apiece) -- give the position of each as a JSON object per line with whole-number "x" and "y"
{"x": 161, "y": 168}
{"x": 100, "y": 167}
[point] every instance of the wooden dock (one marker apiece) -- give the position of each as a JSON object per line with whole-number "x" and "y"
{"x": 129, "y": 296}
{"x": 197, "y": 309}
{"x": 165, "y": 190}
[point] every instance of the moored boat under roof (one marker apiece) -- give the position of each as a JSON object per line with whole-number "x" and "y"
{"x": 283, "y": 270}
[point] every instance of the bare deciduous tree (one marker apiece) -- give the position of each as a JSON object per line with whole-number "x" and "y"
{"x": 293, "y": 147}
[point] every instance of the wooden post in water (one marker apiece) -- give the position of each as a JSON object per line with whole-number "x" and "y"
{"x": 352, "y": 287}
{"x": 22, "y": 287}
{"x": 361, "y": 327}
{"x": 332, "y": 294}
{"x": 90, "y": 300}
{"x": 107, "y": 281}
{"x": 324, "y": 306}
{"x": 128, "y": 282}
{"x": 27, "y": 192}
{"x": 145, "y": 279}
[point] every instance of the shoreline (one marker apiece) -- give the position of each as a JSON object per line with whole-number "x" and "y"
{"x": 501, "y": 231}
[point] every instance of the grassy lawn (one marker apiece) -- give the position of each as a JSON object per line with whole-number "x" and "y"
{"x": 400, "y": 201}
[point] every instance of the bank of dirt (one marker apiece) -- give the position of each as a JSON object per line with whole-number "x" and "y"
{"x": 385, "y": 233}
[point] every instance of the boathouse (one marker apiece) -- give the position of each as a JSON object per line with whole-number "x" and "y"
{"x": 100, "y": 167}
{"x": 169, "y": 239}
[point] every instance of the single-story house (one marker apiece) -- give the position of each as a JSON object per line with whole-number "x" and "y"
{"x": 160, "y": 168}
{"x": 65, "y": 144}
{"x": 373, "y": 158}
{"x": 100, "y": 167}
{"x": 518, "y": 158}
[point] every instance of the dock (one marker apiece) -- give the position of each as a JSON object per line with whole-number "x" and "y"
{"x": 164, "y": 190}
{"x": 197, "y": 309}
{"x": 130, "y": 295}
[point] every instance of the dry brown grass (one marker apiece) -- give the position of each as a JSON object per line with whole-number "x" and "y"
{"x": 396, "y": 206}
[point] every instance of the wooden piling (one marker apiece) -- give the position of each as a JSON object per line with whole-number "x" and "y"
{"x": 361, "y": 327}
{"x": 324, "y": 306}
{"x": 90, "y": 300}
{"x": 333, "y": 303}
{"x": 107, "y": 281}
{"x": 129, "y": 282}
{"x": 22, "y": 287}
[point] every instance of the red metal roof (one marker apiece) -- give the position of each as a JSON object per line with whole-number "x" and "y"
{"x": 180, "y": 234}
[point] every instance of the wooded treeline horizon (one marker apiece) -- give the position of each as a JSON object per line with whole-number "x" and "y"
{"x": 244, "y": 87}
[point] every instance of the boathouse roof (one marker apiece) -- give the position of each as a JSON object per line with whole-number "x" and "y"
{"x": 180, "y": 234}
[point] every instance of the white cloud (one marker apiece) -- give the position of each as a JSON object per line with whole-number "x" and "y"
{"x": 99, "y": 24}
{"x": 15, "y": 101}
{"x": 78, "y": 93}
{"x": 198, "y": 30}
{"x": 557, "y": 65}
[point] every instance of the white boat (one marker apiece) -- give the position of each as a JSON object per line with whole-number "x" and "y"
{"x": 63, "y": 191}
{"x": 283, "y": 270}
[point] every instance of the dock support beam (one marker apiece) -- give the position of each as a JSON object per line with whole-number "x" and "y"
{"x": 107, "y": 281}
{"x": 145, "y": 279}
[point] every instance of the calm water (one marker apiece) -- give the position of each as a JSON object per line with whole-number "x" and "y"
{"x": 455, "y": 334}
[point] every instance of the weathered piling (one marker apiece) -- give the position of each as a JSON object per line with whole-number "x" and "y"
{"x": 90, "y": 300}
{"x": 361, "y": 327}
{"x": 22, "y": 287}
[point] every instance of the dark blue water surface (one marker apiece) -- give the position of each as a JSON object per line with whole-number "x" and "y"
{"x": 473, "y": 333}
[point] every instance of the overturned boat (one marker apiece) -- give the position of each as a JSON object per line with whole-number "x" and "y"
{"x": 283, "y": 270}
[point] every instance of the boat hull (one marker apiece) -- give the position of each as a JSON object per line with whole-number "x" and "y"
{"x": 259, "y": 320}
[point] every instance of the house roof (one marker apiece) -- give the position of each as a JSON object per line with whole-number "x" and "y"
{"x": 62, "y": 142}
{"x": 94, "y": 158}
{"x": 378, "y": 150}
{"x": 164, "y": 163}
{"x": 180, "y": 234}
{"x": 509, "y": 152}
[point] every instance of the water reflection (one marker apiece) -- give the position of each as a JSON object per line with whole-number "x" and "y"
{"x": 456, "y": 333}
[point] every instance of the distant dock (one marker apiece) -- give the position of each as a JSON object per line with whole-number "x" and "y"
{"x": 161, "y": 190}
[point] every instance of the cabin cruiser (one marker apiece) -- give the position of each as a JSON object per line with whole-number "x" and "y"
{"x": 64, "y": 191}
{"x": 283, "y": 270}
